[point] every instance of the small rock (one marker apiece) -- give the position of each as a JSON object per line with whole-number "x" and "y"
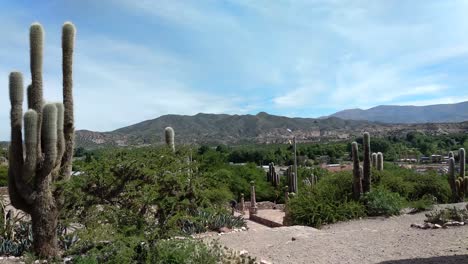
{"x": 224, "y": 230}
{"x": 243, "y": 228}
{"x": 436, "y": 226}
{"x": 264, "y": 262}
{"x": 293, "y": 238}
{"x": 243, "y": 252}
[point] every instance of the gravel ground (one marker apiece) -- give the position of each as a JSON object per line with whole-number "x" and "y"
{"x": 372, "y": 240}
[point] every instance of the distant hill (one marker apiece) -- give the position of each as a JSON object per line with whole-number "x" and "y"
{"x": 441, "y": 113}
{"x": 238, "y": 129}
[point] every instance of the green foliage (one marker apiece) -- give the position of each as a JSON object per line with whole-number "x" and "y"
{"x": 309, "y": 208}
{"x": 424, "y": 204}
{"x": 380, "y": 201}
{"x": 3, "y": 175}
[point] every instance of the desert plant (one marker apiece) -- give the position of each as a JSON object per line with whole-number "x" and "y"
{"x": 48, "y": 140}
{"x": 383, "y": 202}
{"x": 380, "y": 164}
{"x": 357, "y": 183}
{"x": 366, "y": 166}
{"x": 169, "y": 136}
{"x": 453, "y": 180}
{"x": 374, "y": 160}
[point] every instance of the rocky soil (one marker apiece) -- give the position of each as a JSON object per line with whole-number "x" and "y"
{"x": 372, "y": 240}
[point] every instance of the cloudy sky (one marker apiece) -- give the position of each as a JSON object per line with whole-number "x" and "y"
{"x": 137, "y": 60}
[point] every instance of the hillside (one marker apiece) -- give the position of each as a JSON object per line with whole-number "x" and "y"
{"x": 260, "y": 128}
{"x": 440, "y": 113}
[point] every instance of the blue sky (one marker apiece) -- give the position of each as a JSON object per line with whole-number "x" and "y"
{"x": 137, "y": 60}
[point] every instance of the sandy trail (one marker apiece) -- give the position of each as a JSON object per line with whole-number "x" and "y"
{"x": 372, "y": 240}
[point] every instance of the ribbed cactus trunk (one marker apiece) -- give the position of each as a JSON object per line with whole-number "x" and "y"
{"x": 379, "y": 161}
{"x": 366, "y": 166}
{"x": 48, "y": 144}
{"x": 463, "y": 178}
{"x": 169, "y": 135}
{"x": 374, "y": 160}
{"x": 272, "y": 176}
{"x": 462, "y": 160}
{"x": 357, "y": 184}
{"x": 292, "y": 179}
{"x": 452, "y": 179}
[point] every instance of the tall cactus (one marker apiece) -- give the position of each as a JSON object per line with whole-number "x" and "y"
{"x": 462, "y": 158}
{"x": 272, "y": 176}
{"x": 374, "y": 160}
{"x": 357, "y": 184}
{"x": 48, "y": 143}
{"x": 169, "y": 135}
{"x": 292, "y": 179}
{"x": 380, "y": 161}
{"x": 453, "y": 179}
{"x": 366, "y": 166}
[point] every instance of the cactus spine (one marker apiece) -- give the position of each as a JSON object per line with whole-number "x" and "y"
{"x": 169, "y": 135}
{"x": 48, "y": 143}
{"x": 366, "y": 182}
{"x": 357, "y": 184}
{"x": 379, "y": 161}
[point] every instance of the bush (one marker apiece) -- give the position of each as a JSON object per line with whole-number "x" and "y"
{"x": 306, "y": 209}
{"x": 380, "y": 201}
{"x": 3, "y": 175}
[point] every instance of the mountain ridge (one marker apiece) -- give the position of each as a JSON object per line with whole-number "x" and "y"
{"x": 408, "y": 114}
{"x": 260, "y": 128}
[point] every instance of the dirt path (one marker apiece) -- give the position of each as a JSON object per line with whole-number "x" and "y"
{"x": 376, "y": 240}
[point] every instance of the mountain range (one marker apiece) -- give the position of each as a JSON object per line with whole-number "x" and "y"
{"x": 440, "y": 113}
{"x": 260, "y": 128}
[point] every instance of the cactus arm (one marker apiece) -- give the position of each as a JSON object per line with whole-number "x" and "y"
{"x": 68, "y": 45}
{"x": 169, "y": 136}
{"x": 30, "y": 140}
{"x": 49, "y": 139}
{"x": 35, "y": 94}
{"x": 20, "y": 192}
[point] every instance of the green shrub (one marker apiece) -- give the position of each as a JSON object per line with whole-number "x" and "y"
{"x": 3, "y": 175}
{"x": 380, "y": 201}
{"x": 311, "y": 209}
{"x": 424, "y": 204}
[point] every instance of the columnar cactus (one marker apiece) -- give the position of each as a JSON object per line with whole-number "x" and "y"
{"x": 357, "y": 184}
{"x": 374, "y": 160}
{"x": 48, "y": 143}
{"x": 450, "y": 154}
{"x": 286, "y": 194}
{"x": 366, "y": 166}
{"x": 272, "y": 176}
{"x": 453, "y": 179}
{"x": 253, "y": 201}
{"x": 462, "y": 158}
{"x": 292, "y": 179}
{"x": 169, "y": 135}
{"x": 380, "y": 161}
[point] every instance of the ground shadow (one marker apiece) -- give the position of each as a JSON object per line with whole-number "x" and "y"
{"x": 434, "y": 260}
